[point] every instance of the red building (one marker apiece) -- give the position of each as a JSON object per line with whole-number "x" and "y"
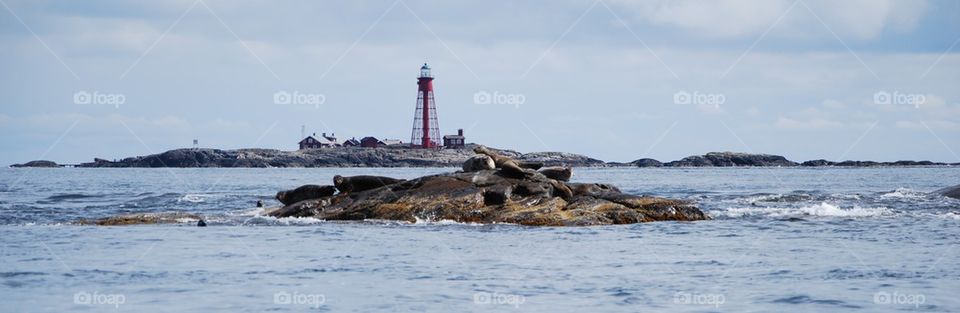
{"x": 454, "y": 141}
{"x": 370, "y": 142}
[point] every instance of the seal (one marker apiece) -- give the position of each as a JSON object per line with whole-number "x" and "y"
{"x": 591, "y": 189}
{"x": 507, "y": 165}
{"x": 561, "y": 173}
{"x": 305, "y": 192}
{"x": 201, "y": 223}
{"x": 362, "y": 182}
{"x": 561, "y": 190}
{"x": 479, "y": 163}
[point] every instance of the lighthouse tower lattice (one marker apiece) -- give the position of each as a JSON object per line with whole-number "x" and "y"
{"x": 426, "y": 130}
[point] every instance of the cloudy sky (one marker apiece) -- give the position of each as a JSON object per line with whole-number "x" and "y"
{"x": 614, "y": 79}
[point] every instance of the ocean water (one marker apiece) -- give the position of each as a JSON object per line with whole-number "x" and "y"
{"x": 781, "y": 239}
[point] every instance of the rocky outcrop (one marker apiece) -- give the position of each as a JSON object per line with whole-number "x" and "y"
{"x": 37, "y": 163}
{"x": 559, "y": 159}
{"x": 820, "y": 162}
{"x": 490, "y": 197}
{"x": 950, "y": 192}
{"x": 332, "y": 157}
{"x": 646, "y": 162}
{"x": 726, "y": 159}
{"x": 144, "y": 218}
{"x": 511, "y": 193}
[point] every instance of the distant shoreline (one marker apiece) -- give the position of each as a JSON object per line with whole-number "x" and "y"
{"x": 398, "y": 156}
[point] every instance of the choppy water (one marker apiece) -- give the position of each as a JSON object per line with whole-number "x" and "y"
{"x": 782, "y": 240}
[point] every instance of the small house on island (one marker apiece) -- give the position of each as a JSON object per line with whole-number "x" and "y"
{"x": 391, "y": 142}
{"x": 454, "y": 141}
{"x": 352, "y": 142}
{"x": 369, "y": 142}
{"x": 317, "y": 142}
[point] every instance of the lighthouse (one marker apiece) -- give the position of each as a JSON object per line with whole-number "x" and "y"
{"x": 425, "y": 126}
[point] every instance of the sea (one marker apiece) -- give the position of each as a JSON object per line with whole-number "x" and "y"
{"x": 779, "y": 240}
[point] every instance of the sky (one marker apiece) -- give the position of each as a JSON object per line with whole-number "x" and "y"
{"x": 612, "y": 79}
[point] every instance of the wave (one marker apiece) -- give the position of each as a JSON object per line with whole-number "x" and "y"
{"x": 904, "y": 193}
{"x": 430, "y": 221}
{"x": 193, "y": 198}
{"x": 767, "y": 197}
{"x": 823, "y": 210}
{"x": 270, "y": 220}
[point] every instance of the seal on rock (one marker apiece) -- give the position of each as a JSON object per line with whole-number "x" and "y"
{"x": 591, "y": 189}
{"x": 478, "y": 163}
{"x": 561, "y": 173}
{"x": 507, "y": 165}
{"x": 305, "y": 192}
{"x": 362, "y": 182}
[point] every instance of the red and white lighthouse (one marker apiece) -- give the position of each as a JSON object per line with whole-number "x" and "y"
{"x": 426, "y": 130}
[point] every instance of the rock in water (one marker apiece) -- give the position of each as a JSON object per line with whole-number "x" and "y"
{"x": 305, "y": 192}
{"x": 561, "y": 173}
{"x": 491, "y": 196}
{"x": 144, "y": 218}
{"x": 950, "y": 192}
{"x": 37, "y": 163}
{"x": 362, "y": 182}
{"x": 478, "y": 163}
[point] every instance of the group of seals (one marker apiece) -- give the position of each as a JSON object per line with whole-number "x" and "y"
{"x": 305, "y": 192}
{"x": 507, "y": 165}
{"x": 340, "y": 183}
{"x": 487, "y": 160}
{"x": 362, "y": 182}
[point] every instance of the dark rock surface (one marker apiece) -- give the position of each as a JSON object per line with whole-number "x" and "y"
{"x": 144, "y": 218}
{"x": 646, "y": 162}
{"x": 951, "y": 192}
{"x": 333, "y": 157}
{"x": 726, "y": 159}
{"x": 820, "y": 162}
{"x": 37, "y": 163}
{"x": 490, "y": 197}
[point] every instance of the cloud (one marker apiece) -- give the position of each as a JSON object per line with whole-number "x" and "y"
{"x": 933, "y": 125}
{"x": 808, "y": 124}
{"x": 860, "y": 19}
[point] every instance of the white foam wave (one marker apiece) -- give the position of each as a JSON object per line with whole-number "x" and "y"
{"x": 250, "y": 212}
{"x": 428, "y": 221}
{"x": 903, "y": 193}
{"x": 187, "y": 220}
{"x": 269, "y": 220}
{"x": 193, "y": 198}
{"x": 823, "y": 209}
{"x": 951, "y": 215}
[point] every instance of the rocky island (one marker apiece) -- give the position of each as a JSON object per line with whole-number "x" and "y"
{"x": 336, "y": 157}
{"x": 490, "y": 188}
{"x": 404, "y": 156}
